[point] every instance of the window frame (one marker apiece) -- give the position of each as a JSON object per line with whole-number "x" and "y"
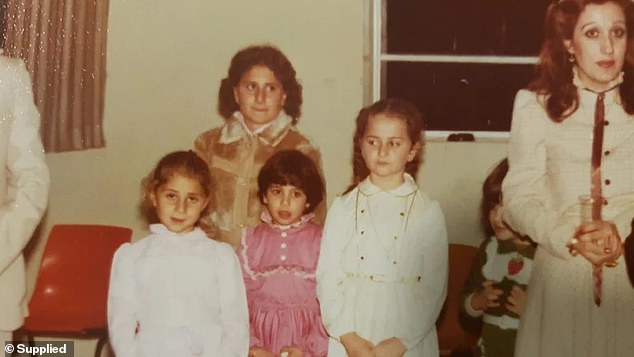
{"x": 379, "y": 59}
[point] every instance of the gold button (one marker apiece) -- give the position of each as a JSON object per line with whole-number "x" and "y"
{"x": 606, "y": 153}
{"x": 362, "y": 257}
{"x": 362, "y": 210}
{"x": 418, "y": 278}
{"x": 402, "y": 214}
{"x": 395, "y": 237}
{"x": 394, "y": 262}
{"x": 607, "y": 181}
{"x": 362, "y": 232}
{"x": 371, "y": 277}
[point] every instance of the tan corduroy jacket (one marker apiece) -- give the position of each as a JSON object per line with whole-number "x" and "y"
{"x": 24, "y": 181}
{"x": 235, "y": 158}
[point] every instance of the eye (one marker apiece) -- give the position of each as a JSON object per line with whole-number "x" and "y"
{"x": 170, "y": 195}
{"x": 298, "y": 194}
{"x": 193, "y": 199}
{"x": 395, "y": 143}
{"x": 619, "y": 32}
{"x": 271, "y": 88}
{"x": 372, "y": 141}
{"x": 592, "y": 33}
{"x": 275, "y": 191}
{"x": 250, "y": 86}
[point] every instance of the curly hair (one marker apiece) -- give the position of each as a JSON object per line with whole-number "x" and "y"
{"x": 185, "y": 163}
{"x": 291, "y": 167}
{"x": 276, "y": 61}
{"x": 392, "y": 107}
{"x": 554, "y": 71}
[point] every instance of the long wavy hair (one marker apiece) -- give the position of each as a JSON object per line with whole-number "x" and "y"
{"x": 276, "y": 61}
{"x": 392, "y": 107}
{"x": 554, "y": 71}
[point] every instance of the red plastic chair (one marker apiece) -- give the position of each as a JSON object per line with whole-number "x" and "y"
{"x": 455, "y": 333}
{"x": 71, "y": 291}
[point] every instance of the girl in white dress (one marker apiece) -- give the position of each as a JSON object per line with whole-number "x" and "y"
{"x": 382, "y": 272}
{"x": 177, "y": 292}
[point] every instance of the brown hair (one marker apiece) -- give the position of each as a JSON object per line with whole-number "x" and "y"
{"x": 276, "y": 61}
{"x": 554, "y": 71}
{"x": 392, "y": 107}
{"x": 185, "y": 163}
{"x": 492, "y": 194}
{"x": 291, "y": 167}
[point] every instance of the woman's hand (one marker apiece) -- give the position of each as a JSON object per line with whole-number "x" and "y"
{"x": 260, "y": 352}
{"x": 487, "y": 297}
{"x": 392, "y": 347}
{"x": 598, "y": 241}
{"x": 516, "y": 300}
{"x": 357, "y": 346}
{"x": 292, "y": 351}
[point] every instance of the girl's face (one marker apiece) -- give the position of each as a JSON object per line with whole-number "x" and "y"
{"x": 386, "y": 148}
{"x": 179, "y": 203}
{"x": 286, "y": 203}
{"x": 598, "y": 44}
{"x": 260, "y": 96}
{"x": 500, "y": 228}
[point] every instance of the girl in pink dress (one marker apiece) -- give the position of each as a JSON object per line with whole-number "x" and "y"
{"x": 279, "y": 259}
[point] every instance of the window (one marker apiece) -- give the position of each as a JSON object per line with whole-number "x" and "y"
{"x": 461, "y": 62}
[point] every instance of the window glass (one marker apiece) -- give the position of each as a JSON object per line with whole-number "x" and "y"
{"x": 459, "y": 96}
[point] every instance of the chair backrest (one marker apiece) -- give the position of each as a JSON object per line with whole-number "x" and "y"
{"x": 455, "y": 332}
{"x": 74, "y": 274}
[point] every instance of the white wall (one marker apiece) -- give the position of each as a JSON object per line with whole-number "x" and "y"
{"x": 165, "y": 60}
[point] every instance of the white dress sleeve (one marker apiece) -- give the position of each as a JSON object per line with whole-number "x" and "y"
{"x": 122, "y": 314}
{"x": 234, "y": 314}
{"x": 524, "y": 197}
{"x": 432, "y": 292}
{"x": 337, "y": 320}
{"x": 27, "y": 174}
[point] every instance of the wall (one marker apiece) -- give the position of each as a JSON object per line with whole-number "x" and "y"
{"x": 165, "y": 60}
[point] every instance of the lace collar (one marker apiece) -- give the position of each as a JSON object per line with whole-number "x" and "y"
{"x": 265, "y": 217}
{"x": 271, "y": 134}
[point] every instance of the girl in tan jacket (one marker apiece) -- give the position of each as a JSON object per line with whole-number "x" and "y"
{"x": 260, "y": 100}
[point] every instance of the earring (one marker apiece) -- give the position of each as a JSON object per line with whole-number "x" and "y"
{"x": 571, "y": 58}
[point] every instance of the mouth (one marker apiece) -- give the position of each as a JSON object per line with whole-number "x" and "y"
{"x": 178, "y": 220}
{"x": 284, "y": 214}
{"x": 606, "y": 64}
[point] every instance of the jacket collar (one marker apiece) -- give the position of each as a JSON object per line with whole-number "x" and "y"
{"x": 611, "y": 95}
{"x": 408, "y": 187}
{"x": 235, "y": 129}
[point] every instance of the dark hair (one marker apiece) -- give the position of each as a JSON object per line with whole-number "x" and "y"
{"x": 492, "y": 194}
{"x": 291, "y": 167}
{"x": 185, "y": 163}
{"x": 392, "y": 107}
{"x": 277, "y": 62}
{"x": 554, "y": 71}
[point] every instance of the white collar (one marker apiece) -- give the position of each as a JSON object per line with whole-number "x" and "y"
{"x": 408, "y": 187}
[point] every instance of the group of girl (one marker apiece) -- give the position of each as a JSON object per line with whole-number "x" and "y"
{"x": 256, "y": 185}
{"x": 373, "y": 281}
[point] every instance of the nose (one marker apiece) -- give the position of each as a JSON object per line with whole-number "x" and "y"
{"x": 286, "y": 199}
{"x": 383, "y": 149}
{"x": 608, "y": 45}
{"x": 260, "y": 95}
{"x": 180, "y": 206}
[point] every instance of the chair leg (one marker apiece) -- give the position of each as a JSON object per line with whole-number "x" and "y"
{"x": 100, "y": 344}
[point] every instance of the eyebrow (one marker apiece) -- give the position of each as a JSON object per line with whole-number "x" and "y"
{"x": 619, "y": 22}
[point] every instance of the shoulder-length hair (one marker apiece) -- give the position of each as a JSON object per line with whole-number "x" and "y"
{"x": 554, "y": 71}
{"x": 276, "y": 61}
